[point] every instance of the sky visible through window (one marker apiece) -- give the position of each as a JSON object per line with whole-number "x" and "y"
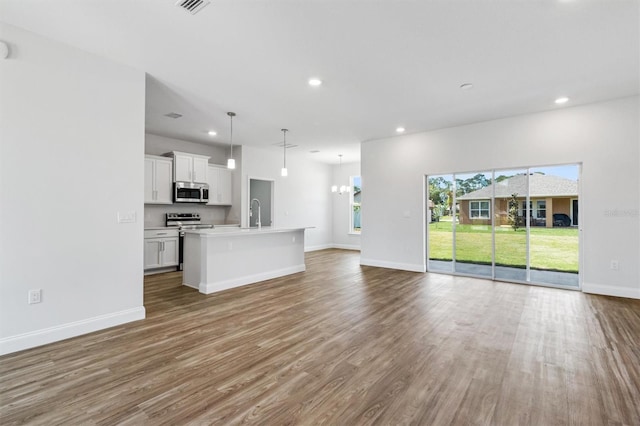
{"x": 568, "y": 172}
{"x": 357, "y": 182}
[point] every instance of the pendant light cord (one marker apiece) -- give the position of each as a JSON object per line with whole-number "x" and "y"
{"x": 231, "y": 115}
{"x": 284, "y": 148}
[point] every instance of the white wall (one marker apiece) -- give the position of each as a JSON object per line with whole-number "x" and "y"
{"x": 71, "y": 157}
{"x": 604, "y": 137}
{"x": 301, "y": 199}
{"x": 159, "y": 145}
{"x": 341, "y": 209}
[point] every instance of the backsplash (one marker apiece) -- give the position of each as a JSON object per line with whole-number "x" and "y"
{"x": 154, "y": 215}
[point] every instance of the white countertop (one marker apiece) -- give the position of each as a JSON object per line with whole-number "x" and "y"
{"x": 223, "y": 226}
{"x": 219, "y": 232}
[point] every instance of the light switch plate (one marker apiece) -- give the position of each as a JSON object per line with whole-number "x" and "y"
{"x": 126, "y": 217}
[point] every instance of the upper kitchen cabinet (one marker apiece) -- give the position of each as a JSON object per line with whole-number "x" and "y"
{"x": 189, "y": 167}
{"x": 219, "y": 180}
{"x": 158, "y": 180}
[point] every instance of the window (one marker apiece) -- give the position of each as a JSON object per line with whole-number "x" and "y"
{"x": 479, "y": 210}
{"x": 523, "y": 212}
{"x": 354, "y": 205}
{"x": 516, "y": 242}
{"x": 542, "y": 209}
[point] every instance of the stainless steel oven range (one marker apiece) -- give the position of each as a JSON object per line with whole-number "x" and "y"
{"x": 184, "y": 221}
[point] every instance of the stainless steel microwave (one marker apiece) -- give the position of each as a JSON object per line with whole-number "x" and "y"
{"x": 188, "y": 192}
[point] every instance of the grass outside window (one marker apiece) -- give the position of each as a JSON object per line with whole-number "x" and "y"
{"x": 551, "y": 249}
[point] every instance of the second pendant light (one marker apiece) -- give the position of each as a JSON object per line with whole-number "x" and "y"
{"x": 284, "y": 171}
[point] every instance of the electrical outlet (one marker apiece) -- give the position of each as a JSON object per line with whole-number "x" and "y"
{"x": 35, "y": 296}
{"x": 615, "y": 265}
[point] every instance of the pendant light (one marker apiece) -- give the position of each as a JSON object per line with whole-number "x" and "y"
{"x": 284, "y": 172}
{"x": 231, "y": 162}
{"x": 343, "y": 188}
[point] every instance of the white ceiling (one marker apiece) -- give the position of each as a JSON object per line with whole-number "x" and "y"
{"x": 384, "y": 63}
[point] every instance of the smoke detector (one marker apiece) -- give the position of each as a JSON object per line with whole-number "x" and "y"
{"x": 192, "y": 6}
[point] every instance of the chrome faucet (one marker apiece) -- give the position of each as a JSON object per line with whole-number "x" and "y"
{"x": 258, "y": 224}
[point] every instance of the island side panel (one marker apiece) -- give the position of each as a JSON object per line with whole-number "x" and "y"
{"x": 236, "y": 260}
{"x": 192, "y": 263}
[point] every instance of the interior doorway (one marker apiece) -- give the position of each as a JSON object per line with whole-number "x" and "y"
{"x": 260, "y": 199}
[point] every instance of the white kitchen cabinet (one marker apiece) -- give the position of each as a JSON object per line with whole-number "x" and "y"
{"x": 200, "y": 165}
{"x": 157, "y": 180}
{"x": 169, "y": 253}
{"x": 190, "y": 167}
{"x": 160, "y": 248}
{"x": 152, "y": 253}
{"x": 219, "y": 180}
{"x": 183, "y": 167}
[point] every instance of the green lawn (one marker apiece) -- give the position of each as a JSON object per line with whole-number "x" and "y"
{"x": 553, "y": 249}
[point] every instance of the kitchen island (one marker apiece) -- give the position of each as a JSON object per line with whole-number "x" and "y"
{"x": 223, "y": 258}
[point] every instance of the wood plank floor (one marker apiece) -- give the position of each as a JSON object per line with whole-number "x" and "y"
{"x": 342, "y": 344}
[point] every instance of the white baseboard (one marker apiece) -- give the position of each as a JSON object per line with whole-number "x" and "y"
{"x": 346, "y": 247}
{"x": 330, "y": 246}
{"x": 66, "y": 331}
{"x": 208, "y": 288}
{"x": 607, "y": 290}
{"x": 318, "y": 247}
{"x": 393, "y": 265}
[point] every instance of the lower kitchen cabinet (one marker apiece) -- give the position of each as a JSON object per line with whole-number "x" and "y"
{"x": 160, "y": 248}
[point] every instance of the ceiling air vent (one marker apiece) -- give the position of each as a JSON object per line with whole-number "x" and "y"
{"x": 173, "y": 115}
{"x": 192, "y": 6}
{"x": 281, "y": 145}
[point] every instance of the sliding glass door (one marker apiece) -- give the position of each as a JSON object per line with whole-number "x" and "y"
{"x": 515, "y": 225}
{"x": 473, "y": 236}
{"x": 440, "y": 218}
{"x": 511, "y": 189}
{"x": 553, "y": 242}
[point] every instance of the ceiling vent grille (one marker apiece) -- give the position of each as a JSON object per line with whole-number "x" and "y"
{"x": 281, "y": 145}
{"x": 192, "y": 6}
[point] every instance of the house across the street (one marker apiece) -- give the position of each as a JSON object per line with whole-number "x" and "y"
{"x": 550, "y": 195}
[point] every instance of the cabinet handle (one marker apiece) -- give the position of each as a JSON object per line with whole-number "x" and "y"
{"x": 163, "y": 246}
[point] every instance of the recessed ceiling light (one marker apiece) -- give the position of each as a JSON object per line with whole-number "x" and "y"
{"x": 562, "y": 100}
{"x": 400, "y": 129}
{"x": 212, "y": 133}
{"x": 173, "y": 115}
{"x": 466, "y": 86}
{"x": 315, "y": 82}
